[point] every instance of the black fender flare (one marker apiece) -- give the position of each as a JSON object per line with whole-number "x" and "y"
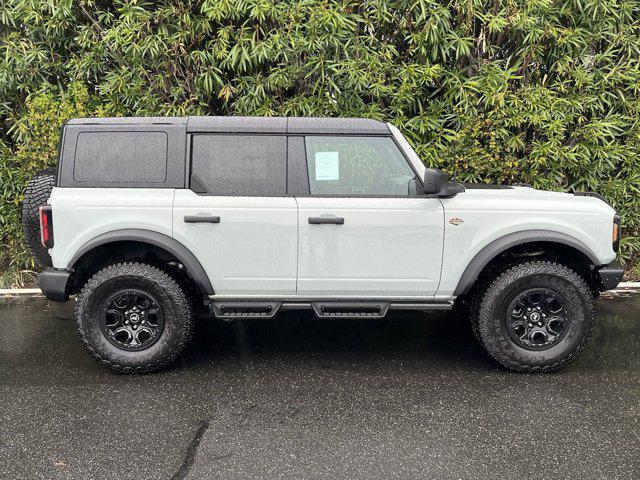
{"x": 171, "y": 245}
{"x": 496, "y": 247}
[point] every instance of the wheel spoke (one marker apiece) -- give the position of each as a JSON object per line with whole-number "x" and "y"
{"x": 533, "y": 300}
{"x": 122, "y": 302}
{"x": 152, "y": 317}
{"x": 123, "y": 335}
{"x": 556, "y": 325}
{"x": 538, "y": 337}
{"x": 114, "y": 318}
{"x": 552, "y": 306}
{"x": 142, "y": 335}
{"x": 520, "y": 329}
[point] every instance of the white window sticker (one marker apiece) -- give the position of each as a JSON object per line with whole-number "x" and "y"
{"x": 327, "y": 166}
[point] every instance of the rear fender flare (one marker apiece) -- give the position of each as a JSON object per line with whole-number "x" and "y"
{"x": 171, "y": 245}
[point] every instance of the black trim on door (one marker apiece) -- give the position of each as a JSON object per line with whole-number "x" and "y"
{"x": 326, "y": 220}
{"x": 201, "y": 219}
{"x": 297, "y": 176}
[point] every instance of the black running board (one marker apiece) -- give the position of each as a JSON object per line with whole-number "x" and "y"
{"x": 350, "y": 309}
{"x": 234, "y": 309}
{"x": 231, "y": 310}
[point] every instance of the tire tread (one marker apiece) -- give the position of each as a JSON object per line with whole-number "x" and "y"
{"x": 35, "y": 195}
{"x": 152, "y": 273}
{"x": 545, "y": 267}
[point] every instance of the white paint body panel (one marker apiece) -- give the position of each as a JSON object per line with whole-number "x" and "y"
{"x": 81, "y": 214}
{"x": 254, "y": 248}
{"x": 491, "y": 214}
{"x": 386, "y": 247}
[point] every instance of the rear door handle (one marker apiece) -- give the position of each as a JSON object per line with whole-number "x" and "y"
{"x": 201, "y": 219}
{"x": 327, "y": 220}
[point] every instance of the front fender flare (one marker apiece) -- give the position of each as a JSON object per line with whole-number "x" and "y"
{"x": 171, "y": 245}
{"x": 496, "y": 247}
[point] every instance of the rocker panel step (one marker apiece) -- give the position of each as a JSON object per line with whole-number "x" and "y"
{"x": 350, "y": 309}
{"x": 232, "y": 310}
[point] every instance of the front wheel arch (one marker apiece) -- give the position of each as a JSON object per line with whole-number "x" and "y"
{"x": 495, "y": 249}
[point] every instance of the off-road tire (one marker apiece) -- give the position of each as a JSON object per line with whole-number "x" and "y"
{"x": 35, "y": 195}
{"x": 474, "y": 300}
{"x": 492, "y": 310}
{"x": 177, "y": 311}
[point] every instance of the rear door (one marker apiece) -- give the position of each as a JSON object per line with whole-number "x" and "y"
{"x": 364, "y": 228}
{"x": 236, "y": 217}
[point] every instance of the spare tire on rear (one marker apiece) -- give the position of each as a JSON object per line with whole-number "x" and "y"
{"x": 35, "y": 195}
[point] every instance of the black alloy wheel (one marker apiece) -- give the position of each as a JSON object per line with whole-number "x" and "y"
{"x": 537, "y": 319}
{"x": 132, "y": 319}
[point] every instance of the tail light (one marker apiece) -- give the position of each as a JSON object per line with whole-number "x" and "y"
{"x": 615, "y": 236}
{"x": 46, "y": 226}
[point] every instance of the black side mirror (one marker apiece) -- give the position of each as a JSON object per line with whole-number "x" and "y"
{"x": 435, "y": 181}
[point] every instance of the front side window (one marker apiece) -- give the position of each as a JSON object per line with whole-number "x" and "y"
{"x": 357, "y": 166}
{"x": 242, "y": 165}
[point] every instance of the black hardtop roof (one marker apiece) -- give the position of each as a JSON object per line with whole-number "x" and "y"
{"x": 291, "y": 125}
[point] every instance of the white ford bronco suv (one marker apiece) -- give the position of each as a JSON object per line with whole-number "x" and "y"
{"x": 148, "y": 220}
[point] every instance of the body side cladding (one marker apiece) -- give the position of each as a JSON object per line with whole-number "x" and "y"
{"x": 171, "y": 245}
{"x": 496, "y": 247}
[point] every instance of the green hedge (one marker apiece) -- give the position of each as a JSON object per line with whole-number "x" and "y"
{"x": 538, "y": 91}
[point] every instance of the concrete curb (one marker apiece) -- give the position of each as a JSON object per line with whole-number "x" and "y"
{"x": 34, "y": 292}
{"x": 20, "y": 291}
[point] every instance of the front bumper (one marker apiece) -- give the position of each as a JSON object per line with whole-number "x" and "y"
{"x": 609, "y": 276}
{"x": 53, "y": 284}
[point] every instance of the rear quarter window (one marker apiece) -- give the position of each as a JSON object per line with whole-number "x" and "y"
{"x": 121, "y": 157}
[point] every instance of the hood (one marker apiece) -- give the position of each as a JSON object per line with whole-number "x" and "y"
{"x": 518, "y": 197}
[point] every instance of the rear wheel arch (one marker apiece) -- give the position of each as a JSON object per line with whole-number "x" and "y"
{"x": 140, "y": 240}
{"x": 548, "y": 242}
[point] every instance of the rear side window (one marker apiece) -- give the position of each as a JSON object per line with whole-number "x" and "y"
{"x": 242, "y": 165}
{"x": 121, "y": 157}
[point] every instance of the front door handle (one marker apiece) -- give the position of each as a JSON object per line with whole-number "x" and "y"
{"x": 201, "y": 219}
{"x": 326, "y": 220}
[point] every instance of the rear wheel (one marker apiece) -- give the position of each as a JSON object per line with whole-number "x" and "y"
{"x": 536, "y": 316}
{"x": 134, "y": 317}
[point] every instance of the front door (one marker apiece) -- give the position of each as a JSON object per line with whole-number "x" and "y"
{"x": 365, "y": 230}
{"x": 236, "y": 218}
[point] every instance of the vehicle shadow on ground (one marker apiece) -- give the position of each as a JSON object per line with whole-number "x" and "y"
{"x": 435, "y": 338}
{"x": 441, "y": 340}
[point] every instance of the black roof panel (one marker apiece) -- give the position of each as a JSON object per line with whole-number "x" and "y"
{"x": 292, "y": 125}
{"x": 128, "y": 121}
{"x": 346, "y": 126}
{"x": 237, "y": 124}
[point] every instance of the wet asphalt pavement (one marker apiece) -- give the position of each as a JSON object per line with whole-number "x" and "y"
{"x": 410, "y": 396}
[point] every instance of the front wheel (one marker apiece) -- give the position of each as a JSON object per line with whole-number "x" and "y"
{"x": 536, "y": 317}
{"x": 134, "y": 317}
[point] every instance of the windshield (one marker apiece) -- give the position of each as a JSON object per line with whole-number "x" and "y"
{"x": 408, "y": 150}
